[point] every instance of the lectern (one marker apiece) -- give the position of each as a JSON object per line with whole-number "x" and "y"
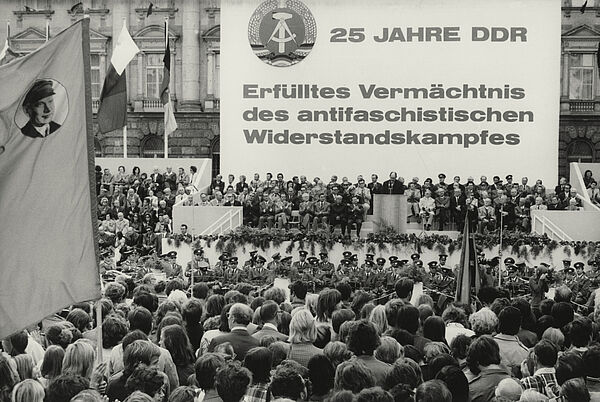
{"x": 389, "y": 210}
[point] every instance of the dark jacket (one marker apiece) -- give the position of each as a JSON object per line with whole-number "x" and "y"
{"x": 30, "y": 131}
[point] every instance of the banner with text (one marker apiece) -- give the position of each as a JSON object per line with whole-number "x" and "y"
{"x": 351, "y": 87}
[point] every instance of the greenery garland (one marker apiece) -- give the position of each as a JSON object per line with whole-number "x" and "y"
{"x": 519, "y": 243}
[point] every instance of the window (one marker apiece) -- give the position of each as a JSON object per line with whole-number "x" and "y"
{"x": 153, "y": 147}
{"x": 154, "y": 74}
{"x": 216, "y": 157}
{"x": 96, "y": 78}
{"x": 580, "y": 151}
{"x": 581, "y": 76}
{"x": 216, "y": 76}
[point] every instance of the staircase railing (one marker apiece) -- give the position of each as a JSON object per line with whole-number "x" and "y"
{"x": 542, "y": 225}
{"x": 229, "y": 221}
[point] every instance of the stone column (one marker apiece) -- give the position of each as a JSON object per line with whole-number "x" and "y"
{"x": 190, "y": 57}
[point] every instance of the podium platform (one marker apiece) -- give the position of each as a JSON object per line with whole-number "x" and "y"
{"x": 389, "y": 210}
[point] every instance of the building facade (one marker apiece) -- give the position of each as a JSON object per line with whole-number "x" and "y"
{"x": 194, "y": 35}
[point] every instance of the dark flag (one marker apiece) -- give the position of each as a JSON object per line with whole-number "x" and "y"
{"x": 48, "y": 254}
{"x": 77, "y": 8}
{"x": 112, "y": 113}
{"x": 582, "y": 9}
{"x": 467, "y": 282}
{"x": 149, "y": 12}
{"x": 165, "y": 95}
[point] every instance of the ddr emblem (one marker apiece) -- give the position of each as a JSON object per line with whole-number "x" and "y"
{"x": 282, "y": 32}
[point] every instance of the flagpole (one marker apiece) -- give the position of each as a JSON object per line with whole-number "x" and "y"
{"x": 99, "y": 330}
{"x": 8, "y": 32}
{"x": 47, "y": 30}
{"x": 169, "y": 97}
{"x": 125, "y": 127}
{"x": 500, "y": 262}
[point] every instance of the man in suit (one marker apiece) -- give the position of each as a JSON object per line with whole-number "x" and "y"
{"x": 320, "y": 212}
{"x": 393, "y": 186}
{"x": 458, "y": 207}
{"x": 39, "y": 106}
{"x": 238, "y": 318}
{"x": 269, "y": 312}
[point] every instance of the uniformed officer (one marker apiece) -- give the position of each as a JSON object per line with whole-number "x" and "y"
{"x": 583, "y": 283}
{"x": 343, "y": 271}
{"x": 299, "y": 266}
{"x": 514, "y": 283}
{"x": 221, "y": 265}
{"x": 414, "y": 257}
{"x": 370, "y": 274}
{"x": 326, "y": 269}
{"x": 259, "y": 274}
{"x": 249, "y": 264}
{"x": 233, "y": 273}
{"x": 285, "y": 267}
{"x": 442, "y": 259}
{"x": 175, "y": 269}
{"x": 347, "y": 255}
{"x": 368, "y": 257}
{"x": 275, "y": 265}
{"x": 310, "y": 272}
{"x": 594, "y": 274}
{"x": 198, "y": 266}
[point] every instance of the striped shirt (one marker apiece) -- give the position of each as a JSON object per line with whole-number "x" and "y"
{"x": 543, "y": 381}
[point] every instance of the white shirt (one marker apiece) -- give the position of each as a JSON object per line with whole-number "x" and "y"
{"x": 43, "y": 130}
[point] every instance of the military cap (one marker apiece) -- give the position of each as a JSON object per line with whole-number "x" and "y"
{"x": 198, "y": 251}
{"x": 509, "y": 177}
{"x": 369, "y": 256}
{"x": 286, "y": 258}
{"x": 233, "y": 259}
{"x": 380, "y": 261}
{"x": 419, "y": 263}
{"x": 593, "y": 263}
{"x": 567, "y": 261}
{"x": 303, "y": 252}
{"x": 323, "y": 254}
{"x": 224, "y": 257}
{"x": 369, "y": 263}
{"x": 393, "y": 258}
{"x": 432, "y": 264}
{"x": 313, "y": 260}
{"x": 579, "y": 265}
{"x": 443, "y": 255}
{"x": 40, "y": 90}
{"x": 441, "y": 176}
{"x": 415, "y": 256}
{"x": 354, "y": 257}
{"x": 260, "y": 258}
{"x": 403, "y": 262}
{"x": 395, "y": 263}
{"x": 509, "y": 261}
{"x": 512, "y": 269}
{"x": 276, "y": 256}
{"x": 345, "y": 261}
{"x": 569, "y": 270}
{"x": 347, "y": 254}
{"x": 545, "y": 264}
{"x": 172, "y": 254}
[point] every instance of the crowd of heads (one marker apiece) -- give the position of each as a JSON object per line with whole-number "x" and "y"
{"x": 166, "y": 343}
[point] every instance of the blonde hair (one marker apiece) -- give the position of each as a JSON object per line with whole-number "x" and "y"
{"x": 379, "y": 319}
{"x": 28, "y": 391}
{"x": 303, "y": 327}
{"x": 389, "y": 351}
{"x": 79, "y": 359}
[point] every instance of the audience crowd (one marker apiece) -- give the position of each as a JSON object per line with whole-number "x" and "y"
{"x": 137, "y": 208}
{"x": 161, "y": 341}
